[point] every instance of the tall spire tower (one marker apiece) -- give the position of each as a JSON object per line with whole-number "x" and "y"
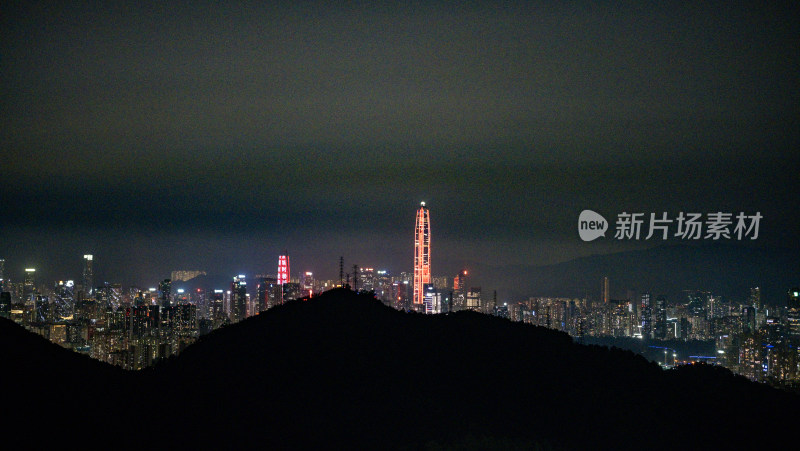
{"x": 422, "y": 253}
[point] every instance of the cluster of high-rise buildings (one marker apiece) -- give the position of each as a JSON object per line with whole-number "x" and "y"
{"x": 136, "y": 327}
{"x": 757, "y": 341}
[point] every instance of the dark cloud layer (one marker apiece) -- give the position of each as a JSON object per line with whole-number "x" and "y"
{"x": 320, "y": 128}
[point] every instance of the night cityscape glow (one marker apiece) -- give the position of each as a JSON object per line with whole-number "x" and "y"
{"x": 206, "y": 217}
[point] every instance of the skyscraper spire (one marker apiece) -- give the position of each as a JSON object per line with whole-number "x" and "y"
{"x": 422, "y": 254}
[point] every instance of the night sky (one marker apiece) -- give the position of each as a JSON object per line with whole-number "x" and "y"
{"x": 199, "y": 136}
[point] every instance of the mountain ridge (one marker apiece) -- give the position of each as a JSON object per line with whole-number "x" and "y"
{"x": 341, "y": 369}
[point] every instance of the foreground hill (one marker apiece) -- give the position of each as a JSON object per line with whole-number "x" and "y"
{"x": 342, "y": 369}
{"x": 50, "y": 394}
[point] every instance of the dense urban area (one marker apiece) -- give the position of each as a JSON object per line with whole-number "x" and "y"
{"x": 135, "y": 327}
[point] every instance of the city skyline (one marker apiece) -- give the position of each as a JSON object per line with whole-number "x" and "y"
{"x": 206, "y": 214}
{"x": 136, "y": 327}
{"x": 623, "y": 289}
{"x": 775, "y": 276}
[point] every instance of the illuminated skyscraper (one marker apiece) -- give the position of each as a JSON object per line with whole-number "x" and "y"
{"x": 459, "y": 301}
{"x": 647, "y": 316}
{"x": 400, "y": 294}
{"x": 238, "y": 299}
{"x": 430, "y": 299}
{"x": 268, "y": 293}
{"x": 5, "y": 304}
{"x": 165, "y": 292}
{"x": 755, "y": 298}
{"x": 29, "y": 294}
{"x": 605, "y": 290}
{"x": 283, "y": 269}
{"x": 88, "y": 276}
{"x": 422, "y": 254}
{"x": 29, "y": 285}
{"x": 217, "y": 308}
{"x": 793, "y": 313}
{"x": 308, "y": 283}
{"x": 63, "y": 301}
{"x": 367, "y": 277}
{"x": 660, "y": 326}
{"x": 474, "y": 299}
{"x": 42, "y": 307}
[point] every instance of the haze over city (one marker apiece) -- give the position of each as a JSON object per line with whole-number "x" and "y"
{"x": 417, "y": 225}
{"x": 162, "y": 137}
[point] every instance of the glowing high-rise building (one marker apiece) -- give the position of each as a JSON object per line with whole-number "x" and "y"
{"x": 238, "y": 299}
{"x": 88, "y": 276}
{"x": 283, "y": 269}
{"x": 308, "y": 283}
{"x": 29, "y": 285}
{"x": 422, "y": 254}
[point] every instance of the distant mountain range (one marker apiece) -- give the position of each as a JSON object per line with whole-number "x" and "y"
{"x": 722, "y": 269}
{"x": 343, "y": 371}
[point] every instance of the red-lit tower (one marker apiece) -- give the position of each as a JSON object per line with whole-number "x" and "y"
{"x": 422, "y": 253}
{"x": 283, "y": 269}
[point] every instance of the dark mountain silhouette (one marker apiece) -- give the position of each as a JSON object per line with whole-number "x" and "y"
{"x": 341, "y": 369}
{"x": 50, "y": 393}
{"x": 724, "y": 269}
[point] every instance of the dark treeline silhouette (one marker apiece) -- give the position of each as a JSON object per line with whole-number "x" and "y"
{"x": 343, "y": 369}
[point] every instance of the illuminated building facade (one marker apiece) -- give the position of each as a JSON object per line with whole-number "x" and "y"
{"x": 29, "y": 284}
{"x": 793, "y": 311}
{"x": 29, "y": 294}
{"x": 165, "y": 292}
{"x": 474, "y": 299}
{"x": 367, "y": 279}
{"x": 217, "y": 308}
{"x": 647, "y": 316}
{"x": 422, "y": 254}
{"x": 459, "y": 291}
{"x": 400, "y": 295}
{"x": 283, "y": 269}
{"x": 63, "y": 301}
{"x": 660, "y": 324}
{"x": 238, "y": 299}
{"x": 292, "y": 290}
{"x": 88, "y": 276}
{"x": 5, "y": 304}
{"x": 308, "y": 283}
{"x": 755, "y": 298}
{"x": 437, "y": 300}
